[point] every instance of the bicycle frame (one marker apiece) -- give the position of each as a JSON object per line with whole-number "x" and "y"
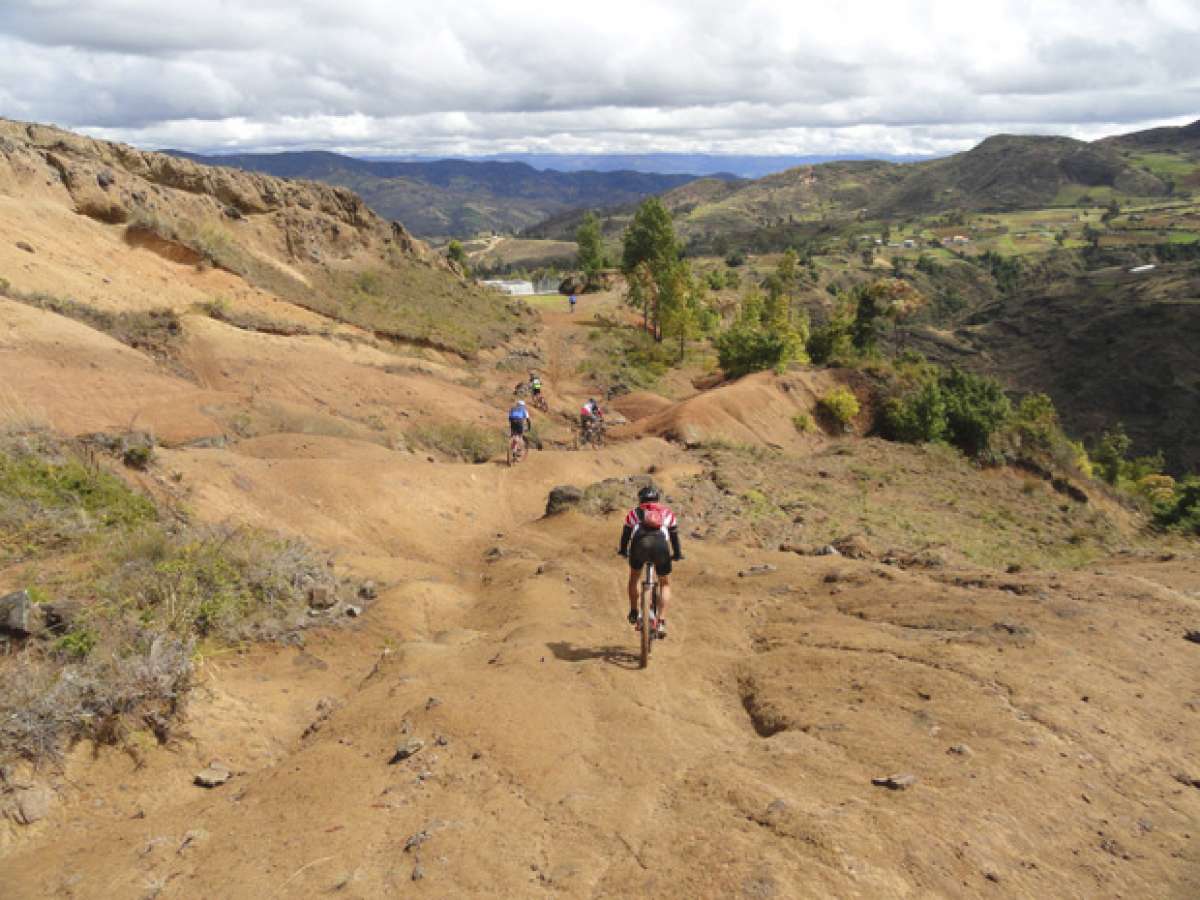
{"x": 649, "y": 610}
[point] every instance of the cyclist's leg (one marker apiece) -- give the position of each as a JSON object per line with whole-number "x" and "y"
{"x": 664, "y": 595}
{"x": 633, "y": 588}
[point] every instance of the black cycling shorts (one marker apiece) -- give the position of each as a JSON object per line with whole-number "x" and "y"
{"x": 651, "y": 547}
{"x": 516, "y": 426}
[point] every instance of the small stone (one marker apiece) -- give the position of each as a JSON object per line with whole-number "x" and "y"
{"x": 827, "y": 550}
{"x": 16, "y": 614}
{"x": 494, "y": 553}
{"x": 214, "y": 776}
{"x": 1193, "y": 636}
{"x": 761, "y": 569}
{"x": 431, "y": 703}
{"x": 33, "y": 805}
{"x": 442, "y": 740}
{"x": 416, "y": 841}
{"x": 368, "y": 591}
{"x": 192, "y": 838}
{"x": 960, "y": 750}
{"x": 26, "y": 246}
{"x": 354, "y": 611}
{"x": 895, "y": 782}
{"x": 1013, "y": 628}
{"x": 407, "y": 750}
{"x": 417, "y": 873}
{"x": 320, "y": 597}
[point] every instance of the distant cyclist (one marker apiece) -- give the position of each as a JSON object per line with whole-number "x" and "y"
{"x": 590, "y": 414}
{"x": 535, "y": 385}
{"x": 650, "y": 535}
{"x": 519, "y": 422}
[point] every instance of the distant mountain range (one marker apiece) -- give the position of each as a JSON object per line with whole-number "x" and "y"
{"x": 1004, "y": 172}
{"x": 698, "y": 164}
{"x": 456, "y": 198}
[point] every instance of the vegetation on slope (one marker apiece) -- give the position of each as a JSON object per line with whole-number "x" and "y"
{"x": 124, "y": 596}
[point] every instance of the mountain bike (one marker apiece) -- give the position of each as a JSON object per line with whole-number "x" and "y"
{"x": 516, "y": 449}
{"x": 539, "y": 401}
{"x": 592, "y": 433}
{"x": 648, "y": 611}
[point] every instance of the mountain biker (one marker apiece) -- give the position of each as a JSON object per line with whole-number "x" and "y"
{"x": 535, "y": 385}
{"x": 518, "y": 419}
{"x": 650, "y": 534}
{"x": 590, "y": 414}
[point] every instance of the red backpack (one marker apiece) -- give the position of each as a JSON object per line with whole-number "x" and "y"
{"x": 651, "y": 517}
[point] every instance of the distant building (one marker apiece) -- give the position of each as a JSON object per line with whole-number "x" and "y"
{"x": 1138, "y": 269}
{"x": 960, "y": 239}
{"x": 515, "y": 288}
{"x": 909, "y": 243}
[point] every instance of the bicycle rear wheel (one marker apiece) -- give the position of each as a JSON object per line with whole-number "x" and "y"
{"x": 646, "y": 636}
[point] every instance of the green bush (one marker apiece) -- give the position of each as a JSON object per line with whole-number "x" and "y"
{"x": 744, "y": 348}
{"x": 840, "y": 405}
{"x": 919, "y": 417}
{"x": 1182, "y": 512}
{"x": 473, "y": 443}
{"x": 963, "y": 409}
{"x": 803, "y": 422}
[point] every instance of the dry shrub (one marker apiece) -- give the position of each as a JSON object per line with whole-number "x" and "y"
{"x": 45, "y": 706}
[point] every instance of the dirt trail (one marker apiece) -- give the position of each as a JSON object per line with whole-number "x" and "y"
{"x": 1046, "y": 715}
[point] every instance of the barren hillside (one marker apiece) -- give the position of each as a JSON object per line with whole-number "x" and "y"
{"x": 850, "y": 612}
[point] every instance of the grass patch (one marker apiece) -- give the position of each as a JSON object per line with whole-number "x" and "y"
{"x": 51, "y": 499}
{"x": 220, "y": 310}
{"x": 472, "y": 443}
{"x": 157, "y": 331}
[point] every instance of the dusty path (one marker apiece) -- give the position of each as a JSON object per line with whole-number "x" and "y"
{"x": 1046, "y": 715}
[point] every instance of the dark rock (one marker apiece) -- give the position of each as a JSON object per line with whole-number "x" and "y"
{"x": 320, "y": 597}
{"x": 232, "y": 212}
{"x": 1193, "y": 636}
{"x": 563, "y": 497}
{"x": 1185, "y": 779}
{"x": 214, "y": 776}
{"x": 960, "y": 750}
{"x": 59, "y": 615}
{"x": 16, "y": 614}
{"x": 26, "y": 246}
{"x": 105, "y": 179}
{"x": 895, "y": 782}
{"x": 494, "y": 553}
{"x": 354, "y": 611}
{"x": 407, "y": 750}
{"x": 368, "y": 591}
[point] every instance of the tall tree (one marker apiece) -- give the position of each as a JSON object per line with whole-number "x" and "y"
{"x": 651, "y": 249}
{"x": 650, "y": 237}
{"x": 590, "y": 245}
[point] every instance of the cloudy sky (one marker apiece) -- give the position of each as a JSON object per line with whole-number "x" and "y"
{"x": 485, "y": 76}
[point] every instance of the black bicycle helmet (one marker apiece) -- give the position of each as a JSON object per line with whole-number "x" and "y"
{"x": 648, "y": 494}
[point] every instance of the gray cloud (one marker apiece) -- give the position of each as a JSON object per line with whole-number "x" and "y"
{"x": 479, "y": 76}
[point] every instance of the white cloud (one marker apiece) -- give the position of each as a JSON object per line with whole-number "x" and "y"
{"x": 475, "y": 77}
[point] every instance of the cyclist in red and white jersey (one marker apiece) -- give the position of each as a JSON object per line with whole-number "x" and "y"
{"x": 650, "y": 534}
